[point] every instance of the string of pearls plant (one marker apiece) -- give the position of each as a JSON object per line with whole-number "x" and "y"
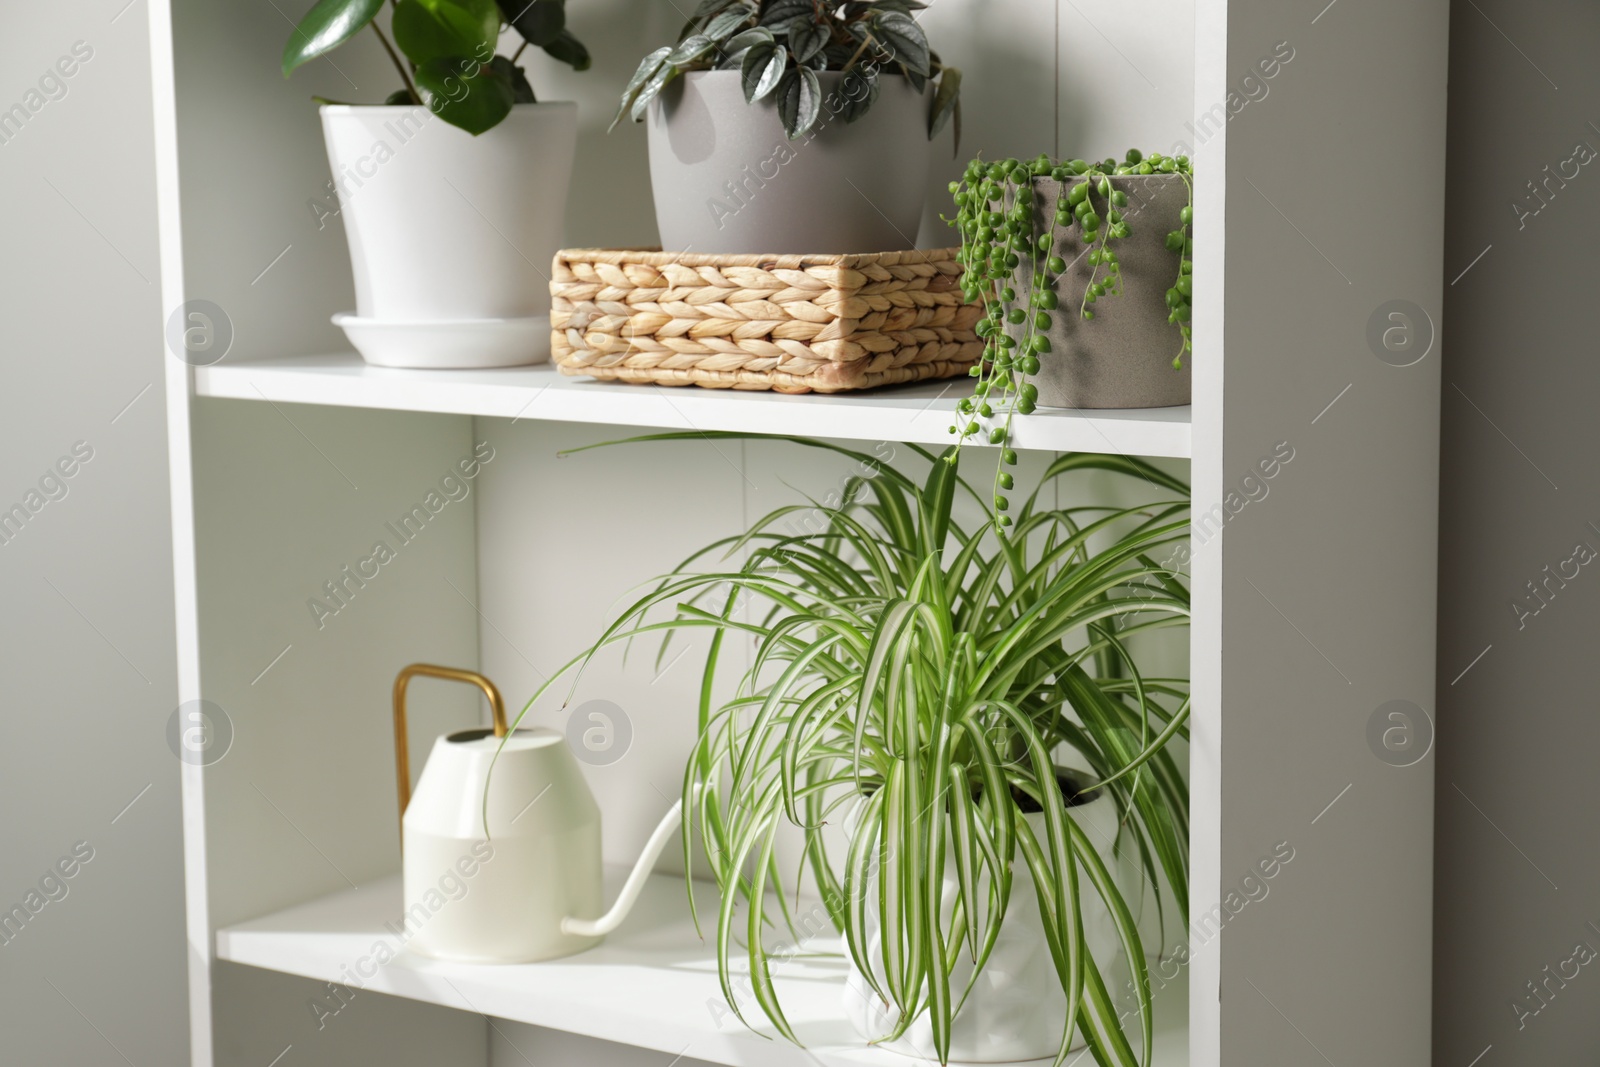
{"x": 1004, "y": 252}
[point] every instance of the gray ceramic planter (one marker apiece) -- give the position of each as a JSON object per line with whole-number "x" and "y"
{"x": 728, "y": 180}
{"x": 1122, "y": 358}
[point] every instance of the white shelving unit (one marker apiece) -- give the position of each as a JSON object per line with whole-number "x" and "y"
{"x": 653, "y": 984}
{"x": 1313, "y": 601}
{"x": 921, "y": 413}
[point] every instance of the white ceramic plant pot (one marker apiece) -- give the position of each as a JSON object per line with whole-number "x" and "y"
{"x": 451, "y": 233}
{"x": 1016, "y": 1009}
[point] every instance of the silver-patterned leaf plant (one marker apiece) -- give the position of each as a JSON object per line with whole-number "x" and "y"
{"x": 780, "y": 46}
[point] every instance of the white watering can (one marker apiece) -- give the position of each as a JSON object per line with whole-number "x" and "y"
{"x": 532, "y": 890}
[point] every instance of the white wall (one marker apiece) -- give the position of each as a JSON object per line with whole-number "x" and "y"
{"x": 86, "y": 649}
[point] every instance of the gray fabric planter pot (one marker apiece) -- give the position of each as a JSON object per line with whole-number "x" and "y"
{"x": 727, "y": 179}
{"x": 1122, "y": 358}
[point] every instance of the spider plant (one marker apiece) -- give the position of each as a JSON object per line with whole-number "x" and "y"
{"x": 922, "y": 679}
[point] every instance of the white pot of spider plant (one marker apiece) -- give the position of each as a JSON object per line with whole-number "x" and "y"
{"x": 912, "y": 681}
{"x": 452, "y": 192}
{"x": 1014, "y": 1008}
{"x": 792, "y": 126}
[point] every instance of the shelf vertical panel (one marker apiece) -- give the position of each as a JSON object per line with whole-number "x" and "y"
{"x": 1205, "y": 571}
{"x": 1315, "y": 588}
{"x": 260, "y": 514}
{"x": 178, "y": 388}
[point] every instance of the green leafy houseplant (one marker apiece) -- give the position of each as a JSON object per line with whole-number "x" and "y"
{"x": 1014, "y": 266}
{"x": 916, "y": 681}
{"x": 448, "y": 47}
{"x": 779, "y": 46}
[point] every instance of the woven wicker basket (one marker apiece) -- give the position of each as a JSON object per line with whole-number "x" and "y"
{"x": 794, "y": 324}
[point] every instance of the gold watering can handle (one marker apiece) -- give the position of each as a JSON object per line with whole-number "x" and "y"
{"x": 402, "y": 760}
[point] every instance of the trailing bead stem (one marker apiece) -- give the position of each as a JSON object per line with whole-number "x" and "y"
{"x": 999, "y": 228}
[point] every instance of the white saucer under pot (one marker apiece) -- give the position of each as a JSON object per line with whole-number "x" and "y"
{"x": 451, "y": 236}
{"x": 471, "y": 344}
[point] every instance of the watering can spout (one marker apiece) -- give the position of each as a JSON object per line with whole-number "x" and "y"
{"x": 636, "y": 879}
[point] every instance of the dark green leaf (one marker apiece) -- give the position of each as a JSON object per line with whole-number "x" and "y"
{"x": 860, "y": 90}
{"x": 806, "y": 38}
{"x": 400, "y": 97}
{"x": 538, "y": 21}
{"x": 727, "y": 24}
{"x": 755, "y": 35}
{"x": 799, "y": 101}
{"x": 780, "y": 12}
{"x": 465, "y": 93}
{"x": 569, "y": 50}
{"x": 327, "y": 26}
{"x": 861, "y": 8}
{"x": 647, "y": 68}
{"x": 762, "y": 69}
{"x": 657, "y": 82}
{"x": 944, "y": 100}
{"x": 521, "y": 90}
{"x": 691, "y": 49}
{"x": 426, "y": 30}
{"x": 902, "y": 36}
{"x": 837, "y": 55}
{"x": 708, "y": 8}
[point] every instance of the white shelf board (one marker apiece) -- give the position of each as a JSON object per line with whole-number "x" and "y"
{"x": 653, "y": 983}
{"x": 920, "y": 413}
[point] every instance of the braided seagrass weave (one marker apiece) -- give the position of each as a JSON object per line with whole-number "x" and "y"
{"x": 795, "y": 324}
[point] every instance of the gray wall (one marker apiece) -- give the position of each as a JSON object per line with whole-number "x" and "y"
{"x": 1517, "y": 875}
{"x": 86, "y": 649}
